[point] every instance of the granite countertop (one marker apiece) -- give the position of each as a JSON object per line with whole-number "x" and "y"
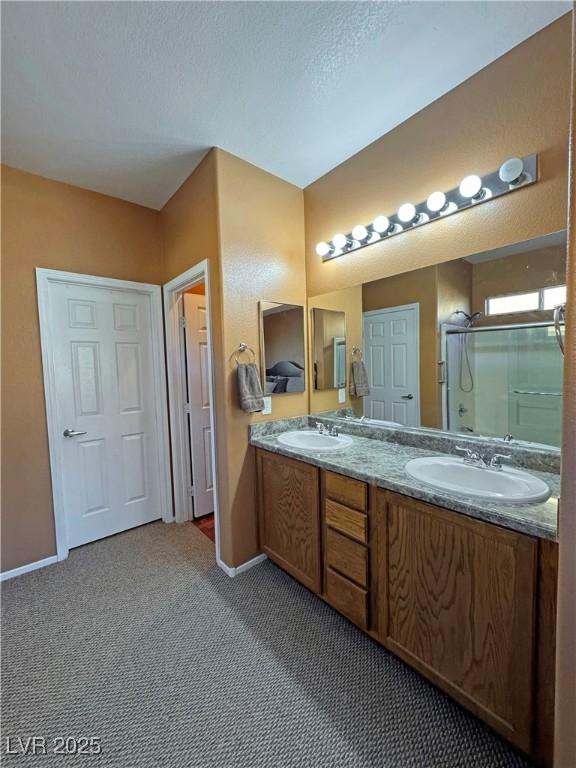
{"x": 382, "y": 464}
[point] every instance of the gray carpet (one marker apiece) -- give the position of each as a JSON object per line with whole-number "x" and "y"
{"x": 142, "y": 641}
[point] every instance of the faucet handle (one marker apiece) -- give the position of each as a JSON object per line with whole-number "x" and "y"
{"x": 496, "y": 460}
{"x": 471, "y": 456}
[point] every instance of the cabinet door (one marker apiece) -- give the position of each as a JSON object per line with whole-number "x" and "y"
{"x": 289, "y": 514}
{"x": 457, "y": 603}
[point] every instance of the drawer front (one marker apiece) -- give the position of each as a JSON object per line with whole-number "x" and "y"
{"x": 347, "y": 557}
{"x": 347, "y": 598}
{"x": 346, "y": 490}
{"x": 347, "y": 521}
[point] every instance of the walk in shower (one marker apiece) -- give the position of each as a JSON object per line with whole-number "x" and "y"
{"x": 504, "y": 380}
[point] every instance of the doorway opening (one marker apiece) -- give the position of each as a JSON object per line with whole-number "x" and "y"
{"x": 191, "y": 401}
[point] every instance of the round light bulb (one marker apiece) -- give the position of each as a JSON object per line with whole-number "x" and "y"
{"x": 436, "y": 202}
{"x": 340, "y": 241}
{"x": 511, "y": 171}
{"x": 406, "y": 212}
{"x": 470, "y": 186}
{"x": 360, "y": 232}
{"x": 381, "y": 224}
{"x": 323, "y": 249}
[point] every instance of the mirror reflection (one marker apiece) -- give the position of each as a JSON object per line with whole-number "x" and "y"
{"x": 329, "y": 348}
{"x": 282, "y": 348}
{"x": 469, "y": 345}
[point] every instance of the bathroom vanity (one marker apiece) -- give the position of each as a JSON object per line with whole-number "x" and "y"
{"x": 462, "y": 590}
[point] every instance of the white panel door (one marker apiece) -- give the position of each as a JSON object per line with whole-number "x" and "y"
{"x": 391, "y": 356}
{"x": 197, "y": 362}
{"x": 103, "y": 375}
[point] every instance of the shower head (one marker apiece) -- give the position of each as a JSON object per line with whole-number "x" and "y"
{"x": 468, "y": 319}
{"x": 475, "y": 316}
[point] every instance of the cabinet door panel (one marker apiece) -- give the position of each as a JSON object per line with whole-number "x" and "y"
{"x": 459, "y": 605}
{"x": 289, "y": 513}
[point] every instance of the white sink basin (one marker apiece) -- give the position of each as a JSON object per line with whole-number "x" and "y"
{"x": 314, "y": 441}
{"x": 510, "y": 486}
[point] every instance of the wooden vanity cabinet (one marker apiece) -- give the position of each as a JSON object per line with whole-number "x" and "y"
{"x": 289, "y": 516}
{"x": 346, "y": 539}
{"x": 470, "y": 605}
{"x": 458, "y": 603}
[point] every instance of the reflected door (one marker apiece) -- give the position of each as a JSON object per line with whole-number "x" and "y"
{"x": 197, "y": 361}
{"x": 103, "y": 375}
{"x": 391, "y": 356}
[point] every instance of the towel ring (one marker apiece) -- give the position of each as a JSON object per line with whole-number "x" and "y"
{"x": 244, "y": 348}
{"x": 356, "y": 351}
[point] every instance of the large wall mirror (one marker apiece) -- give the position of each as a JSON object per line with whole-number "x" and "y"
{"x": 329, "y": 348}
{"x": 282, "y": 348}
{"x": 469, "y": 345}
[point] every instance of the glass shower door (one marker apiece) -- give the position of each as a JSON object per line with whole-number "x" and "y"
{"x": 506, "y": 380}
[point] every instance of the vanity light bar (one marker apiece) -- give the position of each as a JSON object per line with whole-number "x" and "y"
{"x": 473, "y": 190}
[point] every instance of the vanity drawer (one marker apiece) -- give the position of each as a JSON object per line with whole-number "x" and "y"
{"x": 347, "y": 598}
{"x": 347, "y": 557}
{"x": 346, "y": 520}
{"x": 346, "y": 490}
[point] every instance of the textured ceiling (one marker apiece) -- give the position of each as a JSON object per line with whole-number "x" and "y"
{"x": 126, "y": 97}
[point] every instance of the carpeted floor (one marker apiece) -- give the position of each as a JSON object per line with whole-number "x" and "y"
{"x": 141, "y": 641}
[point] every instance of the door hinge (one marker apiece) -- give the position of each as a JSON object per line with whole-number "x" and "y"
{"x": 187, "y": 408}
{"x": 182, "y": 321}
{"x": 190, "y": 490}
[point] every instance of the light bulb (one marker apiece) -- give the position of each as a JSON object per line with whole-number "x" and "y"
{"x": 512, "y": 171}
{"x": 323, "y": 249}
{"x": 470, "y": 186}
{"x": 340, "y": 241}
{"x": 406, "y": 212}
{"x": 360, "y": 232}
{"x": 436, "y": 202}
{"x": 381, "y": 224}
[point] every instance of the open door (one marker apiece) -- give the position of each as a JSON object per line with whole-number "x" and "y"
{"x": 198, "y": 407}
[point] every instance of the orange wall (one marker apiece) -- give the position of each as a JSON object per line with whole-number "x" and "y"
{"x": 49, "y": 224}
{"x": 250, "y": 226}
{"x": 261, "y": 221}
{"x": 516, "y": 106}
{"x": 565, "y": 734}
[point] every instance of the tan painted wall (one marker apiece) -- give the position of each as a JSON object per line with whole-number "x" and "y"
{"x": 408, "y": 288}
{"x": 249, "y": 225}
{"x": 49, "y": 224}
{"x": 348, "y": 300}
{"x": 517, "y": 105}
{"x": 190, "y": 232}
{"x": 565, "y": 735}
{"x": 261, "y": 221}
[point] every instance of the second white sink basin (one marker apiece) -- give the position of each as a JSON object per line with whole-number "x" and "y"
{"x": 314, "y": 441}
{"x": 510, "y": 486}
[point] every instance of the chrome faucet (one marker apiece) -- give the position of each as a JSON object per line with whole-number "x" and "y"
{"x": 477, "y": 460}
{"x": 496, "y": 461}
{"x": 471, "y": 457}
{"x": 508, "y": 438}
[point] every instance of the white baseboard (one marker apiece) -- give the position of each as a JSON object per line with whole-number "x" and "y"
{"x": 237, "y": 570}
{"x": 27, "y": 568}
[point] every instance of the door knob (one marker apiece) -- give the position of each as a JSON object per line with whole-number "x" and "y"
{"x": 73, "y": 433}
{"x": 407, "y": 397}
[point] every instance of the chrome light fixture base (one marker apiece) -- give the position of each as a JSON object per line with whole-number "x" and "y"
{"x": 493, "y": 186}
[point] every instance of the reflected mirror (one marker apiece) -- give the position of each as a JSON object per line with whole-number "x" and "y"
{"x": 282, "y": 348}
{"x": 469, "y": 345}
{"x": 329, "y": 348}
